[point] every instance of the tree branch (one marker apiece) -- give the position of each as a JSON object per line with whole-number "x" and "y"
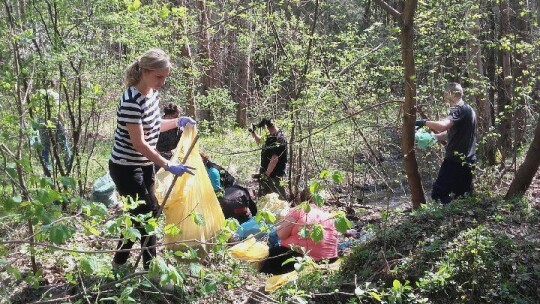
{"x": 392, "y": 11}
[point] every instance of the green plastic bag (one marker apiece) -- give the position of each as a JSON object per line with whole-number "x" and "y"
{"x": 104, "y": 190}
{"x": 424, "y": 138}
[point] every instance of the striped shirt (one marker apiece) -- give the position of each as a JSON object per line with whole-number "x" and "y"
{"x": 134, "y": 108}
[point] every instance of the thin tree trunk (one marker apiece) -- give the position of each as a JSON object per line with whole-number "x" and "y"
{"x": 505, "y": 85}
{"x": 244, "y": 76}
{"x": 409, "y": 107}
{"x": 491, "y": 70}
{"x": 520, "y": 115}
{"x": 205, "y": 54}
{"x": 528, "y": 168}
{"x": 476, "y": 70}
{"x": 406, "y": 20}
{"x": 188, "y": 72}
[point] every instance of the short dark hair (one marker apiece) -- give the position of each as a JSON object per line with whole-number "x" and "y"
{"x": 171, "y": 109}
{"x": 265, "y": 122}
{"x": 454, "y": 89}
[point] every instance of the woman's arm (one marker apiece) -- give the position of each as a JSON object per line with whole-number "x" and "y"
{"x": 139, "y": 143}
{"x": 167, "y": 124}
{"x": 284, "y": 229}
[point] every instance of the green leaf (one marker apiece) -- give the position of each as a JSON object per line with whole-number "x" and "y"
{"x": 375, "y": 295}
{"x": 134, "y": 6}
{"x": 132, "y": 234}
{"x": 198, "y": 218}
{"x": 68, "y": 182}
{"x": 88, "y": 265}
{"x": 12, "y": 202}
{"x": 60, "y": 233}
{"x": 324, "y": 174}
{"x": 91, "y": 229}
{"x": 315, "y": 187}
{"x": 341, "y": 223}
{"x": 337, "y": 176}
{"x": 316, "y": 233}
{"x": 265, "y": 216}
{"x": 172, "y": 230}
{"x": 210, "y": 287}
{"x": 317, "y": 199}
{"x": 164, "y": 12}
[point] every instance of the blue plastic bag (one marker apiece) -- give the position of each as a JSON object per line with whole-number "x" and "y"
{"x": 248, "y": 227}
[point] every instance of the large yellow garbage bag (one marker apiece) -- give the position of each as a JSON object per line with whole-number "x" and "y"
{"x": 192, "y": 200}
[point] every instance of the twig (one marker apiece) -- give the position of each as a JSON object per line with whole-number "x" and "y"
{"x": 259, "y": 294}
{"x": 86, "y": 296}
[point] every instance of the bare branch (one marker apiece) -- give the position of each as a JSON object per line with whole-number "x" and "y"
{"x": 392, "y": 11}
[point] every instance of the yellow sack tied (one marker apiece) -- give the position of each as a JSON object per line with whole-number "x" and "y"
{"x": 250, "y": 250}
{"x": 192, "y": 199}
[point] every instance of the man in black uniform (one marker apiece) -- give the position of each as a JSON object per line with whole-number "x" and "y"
{"x": 273, "y": 159}
{"x": 458, "y": 129}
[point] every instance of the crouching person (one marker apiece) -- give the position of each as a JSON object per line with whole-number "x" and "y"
{"x": 289, "y": 232}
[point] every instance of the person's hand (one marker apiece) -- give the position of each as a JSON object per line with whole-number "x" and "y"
{"x": 182, "y": 122}
{"x": 179, "y": 169}
{"x": 420, "y": 123}
{"x": 251, "y": 128}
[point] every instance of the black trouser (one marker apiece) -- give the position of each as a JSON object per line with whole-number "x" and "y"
{"x": 278, "y": 255}
{"x": 274, "y": 263}
{"x": 271, "y": 185}
{"x": 454, "y": 177}
{"x": 136, "y": 182}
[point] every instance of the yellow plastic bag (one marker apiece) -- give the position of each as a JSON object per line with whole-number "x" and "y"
{"x": 275, "y": 282}
{"x": 250, "y": 250}
{"x": 192, "y": 205}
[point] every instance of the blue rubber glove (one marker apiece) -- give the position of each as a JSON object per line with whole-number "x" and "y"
{"x": 184, "y": 120}
{"x": 179, "y": 169}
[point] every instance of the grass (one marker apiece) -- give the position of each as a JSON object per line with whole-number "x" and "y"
{"x": 476, "y": 250}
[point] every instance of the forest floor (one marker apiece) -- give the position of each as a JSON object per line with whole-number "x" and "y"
{"x": 62, "y": 283}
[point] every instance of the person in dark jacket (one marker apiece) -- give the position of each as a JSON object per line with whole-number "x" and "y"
{"x": 458, "y": 130}
{"x": 168, "y": 140}
{"x": 273, "y": 159}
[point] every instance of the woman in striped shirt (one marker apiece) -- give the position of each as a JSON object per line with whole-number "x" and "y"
{"x": 134, "y": 152}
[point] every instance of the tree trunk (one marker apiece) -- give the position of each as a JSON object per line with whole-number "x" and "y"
{"x": 406, "y": 20}
{"x": 244, "y": 61}
{"x": 409, "y": 107}
{"x": 528, "y": 168}
{"x": 520, "y": 115}
{"x": 491, "y": 70}
{"x": 479, "y": 97}
{"x": 205, "y": 54}
{"x": 505, "y": 85}
{"x": 188, "y": 71}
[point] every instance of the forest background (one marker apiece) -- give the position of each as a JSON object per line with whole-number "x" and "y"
{"x": 345, "y": 79}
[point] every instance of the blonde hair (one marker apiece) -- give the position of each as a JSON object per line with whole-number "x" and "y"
{"x": 153, "y": 59}
{"x": 454, "y": 89}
